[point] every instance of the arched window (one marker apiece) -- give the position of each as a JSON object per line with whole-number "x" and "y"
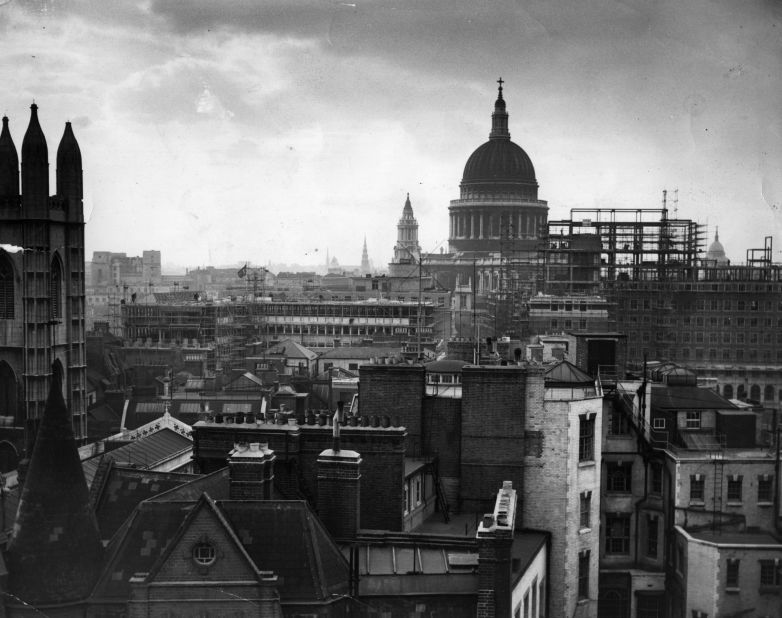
{"x": 727, "y": 391}
{"x": 6, "y": 287}
{"x": 754, "y": 392}
{"x": 768, "y": 393}
{"x": 55, "y": 288}
{"x": 741, "y": 393}
{"x": 8, "y": 391}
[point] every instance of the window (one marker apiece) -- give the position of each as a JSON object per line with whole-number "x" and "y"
{"x": 765, "y": 483}
{"x": 526, "y": 604}
{"x": 734, "y": 488}
{"x": 55, "y": 288}
{"x": 659, "y": 423}
{"x": 618, "y": 534}
{"x": 407, "y": 498}
{"x": 617, "y": 424}
{"x": 417, "y": 485}
{"x": 651, "y": 535}
{"x": 542, "y": 598}
{"x": 693, "y": 420}
{"x": 619, "y": 477}
{"x": 770, "y": 573}
{"x": 6, "y": 287}
{"x": 586, "y": 438}
{"x": 732, "y": 574}
{"x": 586, "y": 508}
{"x": 583, "y": 575}
{"x": 352, "y": 366}
{"x": 204, "y": 554}
{"x": 697, "y": 484}
{"x": 657, "y": 479}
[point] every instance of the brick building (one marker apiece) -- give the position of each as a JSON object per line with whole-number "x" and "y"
{"x": 690, "y": 511}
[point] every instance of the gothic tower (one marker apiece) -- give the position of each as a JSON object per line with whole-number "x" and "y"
{"x": 41, "y": 280}
{"x": 365, "y": 268}
{"x": 407, "y": 251}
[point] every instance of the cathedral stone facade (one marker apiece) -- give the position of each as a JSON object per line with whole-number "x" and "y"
{"x": 41, "y": 279}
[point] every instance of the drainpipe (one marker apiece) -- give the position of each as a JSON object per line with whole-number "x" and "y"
{"x": 777, "y": 518}
{"x": 638, "y": 504}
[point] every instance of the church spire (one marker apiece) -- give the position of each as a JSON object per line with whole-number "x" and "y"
{"x": 365, "y": 268}
{"x": 9, "y": 164}
{"x": 55, "y": 554}
{"x": 499, "y": 119}
{"x": 717, "y": 234}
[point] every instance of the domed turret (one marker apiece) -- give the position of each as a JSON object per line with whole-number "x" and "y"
{"x": 69, "y": 173}
{"x": 35, "y": 168}
{"x": 500, "y": 163}
{"x": 9, "y": 164}
{"x": 716, "y": 252}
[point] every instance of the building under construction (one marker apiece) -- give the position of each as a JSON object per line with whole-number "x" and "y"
{"x": 229, "y": 326}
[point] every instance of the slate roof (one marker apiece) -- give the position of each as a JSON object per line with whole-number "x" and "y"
{"x": 565, "y": 372}
{"x": 117, "y": 490}
{"x": 145, "y": 453}
{"x": 366, "y": 352}
{"x": 280, "y": 536}
{"x": 447, "y": 365}
{"x": 687, "y": 398}
{"x": 291, "y": 349}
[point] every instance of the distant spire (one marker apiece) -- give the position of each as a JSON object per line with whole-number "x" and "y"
{"x": 499, "y": 119}
{"x": 365, "y": 269}
{"x": 717, "y": 234}
{"x": 9, "y": 164}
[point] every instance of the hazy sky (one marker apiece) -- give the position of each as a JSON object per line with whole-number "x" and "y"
{"x": 225, "y": 131}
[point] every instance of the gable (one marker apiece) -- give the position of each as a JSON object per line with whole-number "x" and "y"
{"x": 204, "y": 550}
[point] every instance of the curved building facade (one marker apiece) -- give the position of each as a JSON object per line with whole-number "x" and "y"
{"x": 499, "y": 193}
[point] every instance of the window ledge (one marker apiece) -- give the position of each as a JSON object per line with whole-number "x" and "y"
{"x": 584, "y": 530}
{"x": 732, "y": 590}
{"x": 765, "y": 503}
{"x": 697, "y": 503}
{"x": 586, "y": 464}
{"x": 768, "y": 589}
{"x": 734, "y": 503}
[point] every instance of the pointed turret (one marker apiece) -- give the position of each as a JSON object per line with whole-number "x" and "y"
{"x": 35, "y": 169}
{"x": 69, "y": 174}
{"x": 55, "y": 553}
{"x": 9, "y": 165}
{"x": 499, "y": 119}
{"x": 408, "y": 209}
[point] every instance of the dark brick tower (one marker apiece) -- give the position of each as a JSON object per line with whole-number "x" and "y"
{"x": 41, "y": 279}
{"x": 339, "y": 487}
{"x": 55, "y": 555}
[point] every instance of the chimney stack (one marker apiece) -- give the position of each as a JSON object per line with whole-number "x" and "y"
{"x": 339, "y": 488}
{"x": 251, "y": 471}
{"x": 495, "y": 541}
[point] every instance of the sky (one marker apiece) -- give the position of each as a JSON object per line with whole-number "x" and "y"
{"x": 221, "y": 132}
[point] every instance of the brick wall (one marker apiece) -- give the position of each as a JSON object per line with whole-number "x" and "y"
{"x": 395, "y": 391}
{"x": 382, "y": 469}
{"x": 492, "y": 446}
